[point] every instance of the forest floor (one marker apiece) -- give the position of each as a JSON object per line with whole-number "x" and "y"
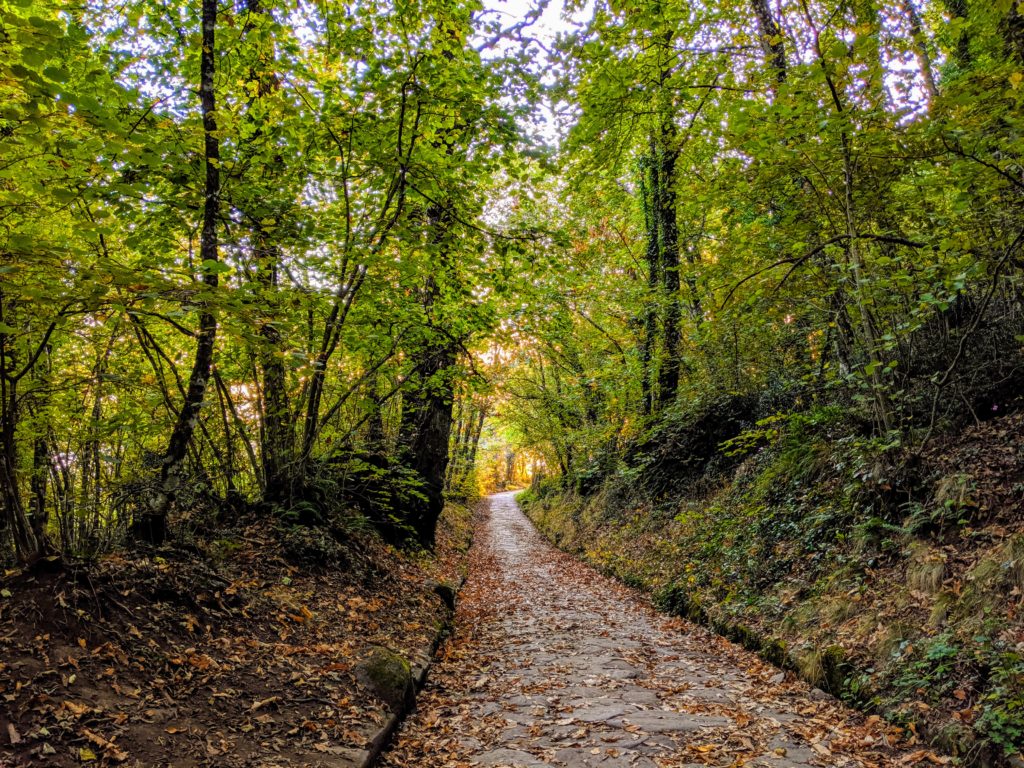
{"x": 553, "y": 664}
{"x": 233, "y": 653}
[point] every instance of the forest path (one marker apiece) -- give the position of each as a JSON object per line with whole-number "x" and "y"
{"x": 554, "y": 664}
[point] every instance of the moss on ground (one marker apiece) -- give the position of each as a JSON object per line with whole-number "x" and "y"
{"x": 389, "y": 676}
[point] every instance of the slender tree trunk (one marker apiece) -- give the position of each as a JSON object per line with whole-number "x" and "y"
{"x": 40, "y": 482}
{"x": 922, "y": 49}
{"x": 474, "y": 440}
{"x": 151, "y": 526}
{"x": 869, "y": 337}
{"x": 772, "y": 41}
{"x": 855, "y": 260}
{"x": 461, "y": 417}
{"x": 329, "y": 344}
{"x": 668, "y": 229}
{"x": 376, "y": 432}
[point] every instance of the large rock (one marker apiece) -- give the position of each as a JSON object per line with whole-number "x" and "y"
{"x": 388, "y": 676}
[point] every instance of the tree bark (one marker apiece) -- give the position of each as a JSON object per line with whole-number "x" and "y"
{"x": 648, "y": 185}
{"x": 278, "y": 449}
{"x": 15, "y": 518}
{"x": 40, "y": 478}
{"x": 668, "y": 235}
{"x": 921, "y": 50}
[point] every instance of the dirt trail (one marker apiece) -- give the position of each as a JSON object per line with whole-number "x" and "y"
{"x": 553, "y": 664}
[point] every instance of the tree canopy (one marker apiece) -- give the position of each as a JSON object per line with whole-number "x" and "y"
{"x": 271, "y": 256}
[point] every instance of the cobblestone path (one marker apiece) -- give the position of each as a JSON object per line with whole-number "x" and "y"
{"x": 554, "y": 664}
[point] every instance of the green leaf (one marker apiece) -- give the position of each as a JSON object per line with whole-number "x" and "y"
{"x": 215, "y": 267}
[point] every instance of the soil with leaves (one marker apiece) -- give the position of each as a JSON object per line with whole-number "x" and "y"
{"x": 241, "y": 653}
{"x": 554, "y": 664}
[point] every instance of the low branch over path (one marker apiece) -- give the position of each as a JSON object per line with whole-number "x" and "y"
{"x": 553, "y": 664}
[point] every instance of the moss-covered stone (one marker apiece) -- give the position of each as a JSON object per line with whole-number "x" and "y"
{"x": 834, "y": 670}
{"x": 388, "y": 676}
{"x": 744, "y": 636}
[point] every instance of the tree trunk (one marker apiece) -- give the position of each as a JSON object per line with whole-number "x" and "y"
{"x": 332, "y": 336}
{"x": 426, "y": 423}
{"x": 474, "y": 440}
{"x": 15, "y": 518}
{"x": 151, "y": 525}
{"x": 26, "y": 547}
{"x": 40, "y": 482}
{"x": 772, "y": 41}
{"x": 668, "y": 231}
{"x": 921, "y": 50}
{"x": 278, "y": 449}
{"x": 461, "y": 419}
{"x": 648, "y": 185}
{"x": 427, "y": 410}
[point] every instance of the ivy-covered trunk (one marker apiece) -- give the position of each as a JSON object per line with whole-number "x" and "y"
{"x": 668, "y": 231}
{"x": 427, "y": 421}
{"x": 427, "y": 407}
{"x": 278, "y": 434}
{"x": 15, "y": 518}
{"x": 649, "y": 175}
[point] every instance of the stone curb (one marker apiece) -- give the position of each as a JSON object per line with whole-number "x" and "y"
{"x": 367, "y": 758}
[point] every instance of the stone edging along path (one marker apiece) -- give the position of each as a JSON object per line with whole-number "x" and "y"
{"x": 417, "y": 671}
